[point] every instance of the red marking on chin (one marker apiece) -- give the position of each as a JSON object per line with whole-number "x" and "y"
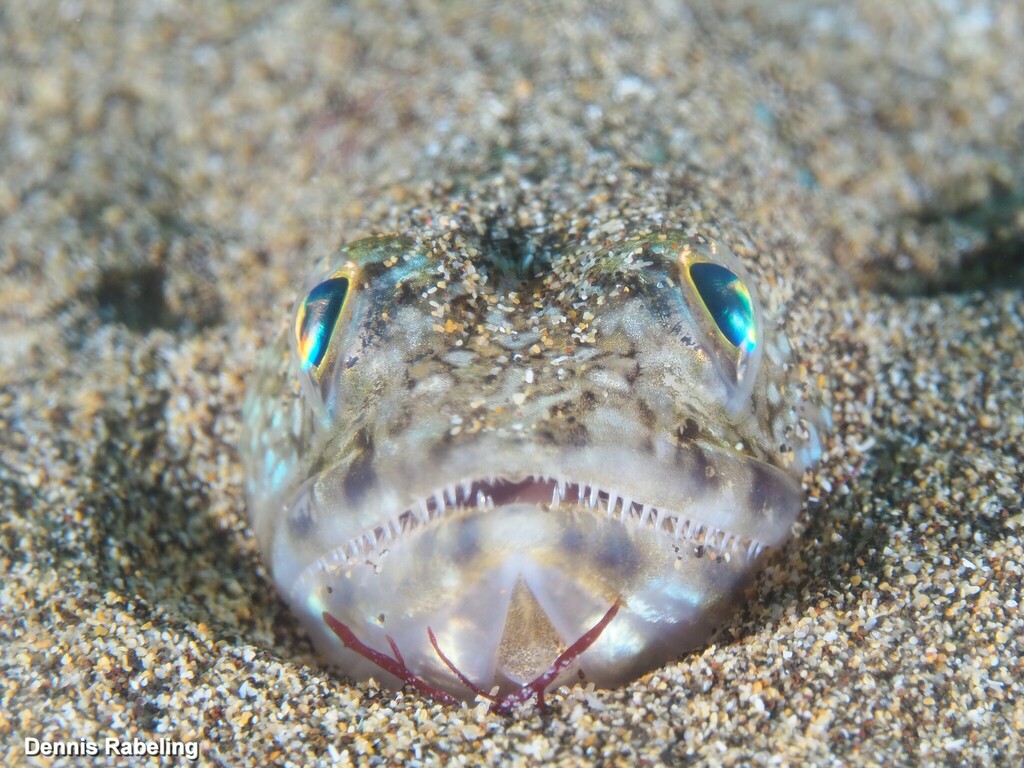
{"x": 504, "y": 704}
{"x": 396, "y": 666}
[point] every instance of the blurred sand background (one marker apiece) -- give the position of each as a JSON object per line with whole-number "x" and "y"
{"x": 168, "y": 171}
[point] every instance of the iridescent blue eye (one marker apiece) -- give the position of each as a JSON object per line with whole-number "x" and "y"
{"x": 317, "y": 316}
{"x": 729, "y": 302}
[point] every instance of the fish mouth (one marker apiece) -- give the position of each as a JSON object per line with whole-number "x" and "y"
{"x": 706, "y": 499}
{"x": 493, "y": 493}
{"x": 509, "y": 569}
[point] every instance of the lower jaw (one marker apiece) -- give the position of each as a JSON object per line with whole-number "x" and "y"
{"x": 505, "y": 590}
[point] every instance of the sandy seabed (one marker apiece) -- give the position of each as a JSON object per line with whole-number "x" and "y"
{"x": 167, "y": 173}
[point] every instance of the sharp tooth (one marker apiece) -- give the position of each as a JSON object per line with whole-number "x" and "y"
{"x": 439, "y": 501}
{"x": 556, "y": 498}
{"x": 480, "y": 501}
{"x": 668, "y": 520}
{"x": 449, "y": 494}
{"x": 422, "y": 512}
{"x": 645, "y": 513}
{"x": 467, "y": 486}
{"x": 613, "y": 501}
{"x": 562, "y": 488}
{"x": 627, "y": 507}
{"x": 581, "y": 492}
{"x": 593, "y": 496}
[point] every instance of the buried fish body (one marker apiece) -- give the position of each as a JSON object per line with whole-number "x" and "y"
{"x": 450, "y": 452}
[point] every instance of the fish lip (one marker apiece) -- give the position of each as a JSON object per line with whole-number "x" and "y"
{"x": 499, "y": 492}
{"x": 328, "y": 528}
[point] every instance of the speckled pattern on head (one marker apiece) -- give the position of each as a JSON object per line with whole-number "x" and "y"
{"x": 504, "y": 430}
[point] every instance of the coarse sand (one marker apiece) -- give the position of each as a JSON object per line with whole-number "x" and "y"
{"x": 170, "y": 171}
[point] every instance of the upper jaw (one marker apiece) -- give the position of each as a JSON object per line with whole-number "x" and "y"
{"x": 715, "y": 487}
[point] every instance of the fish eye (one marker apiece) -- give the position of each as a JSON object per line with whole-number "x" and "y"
{"x": 317, "y": 319}
{"x": 728, "y": 301}
{"x": 721, "y": 300}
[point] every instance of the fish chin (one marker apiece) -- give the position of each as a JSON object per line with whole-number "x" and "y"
{"x": 508, "y": 568}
